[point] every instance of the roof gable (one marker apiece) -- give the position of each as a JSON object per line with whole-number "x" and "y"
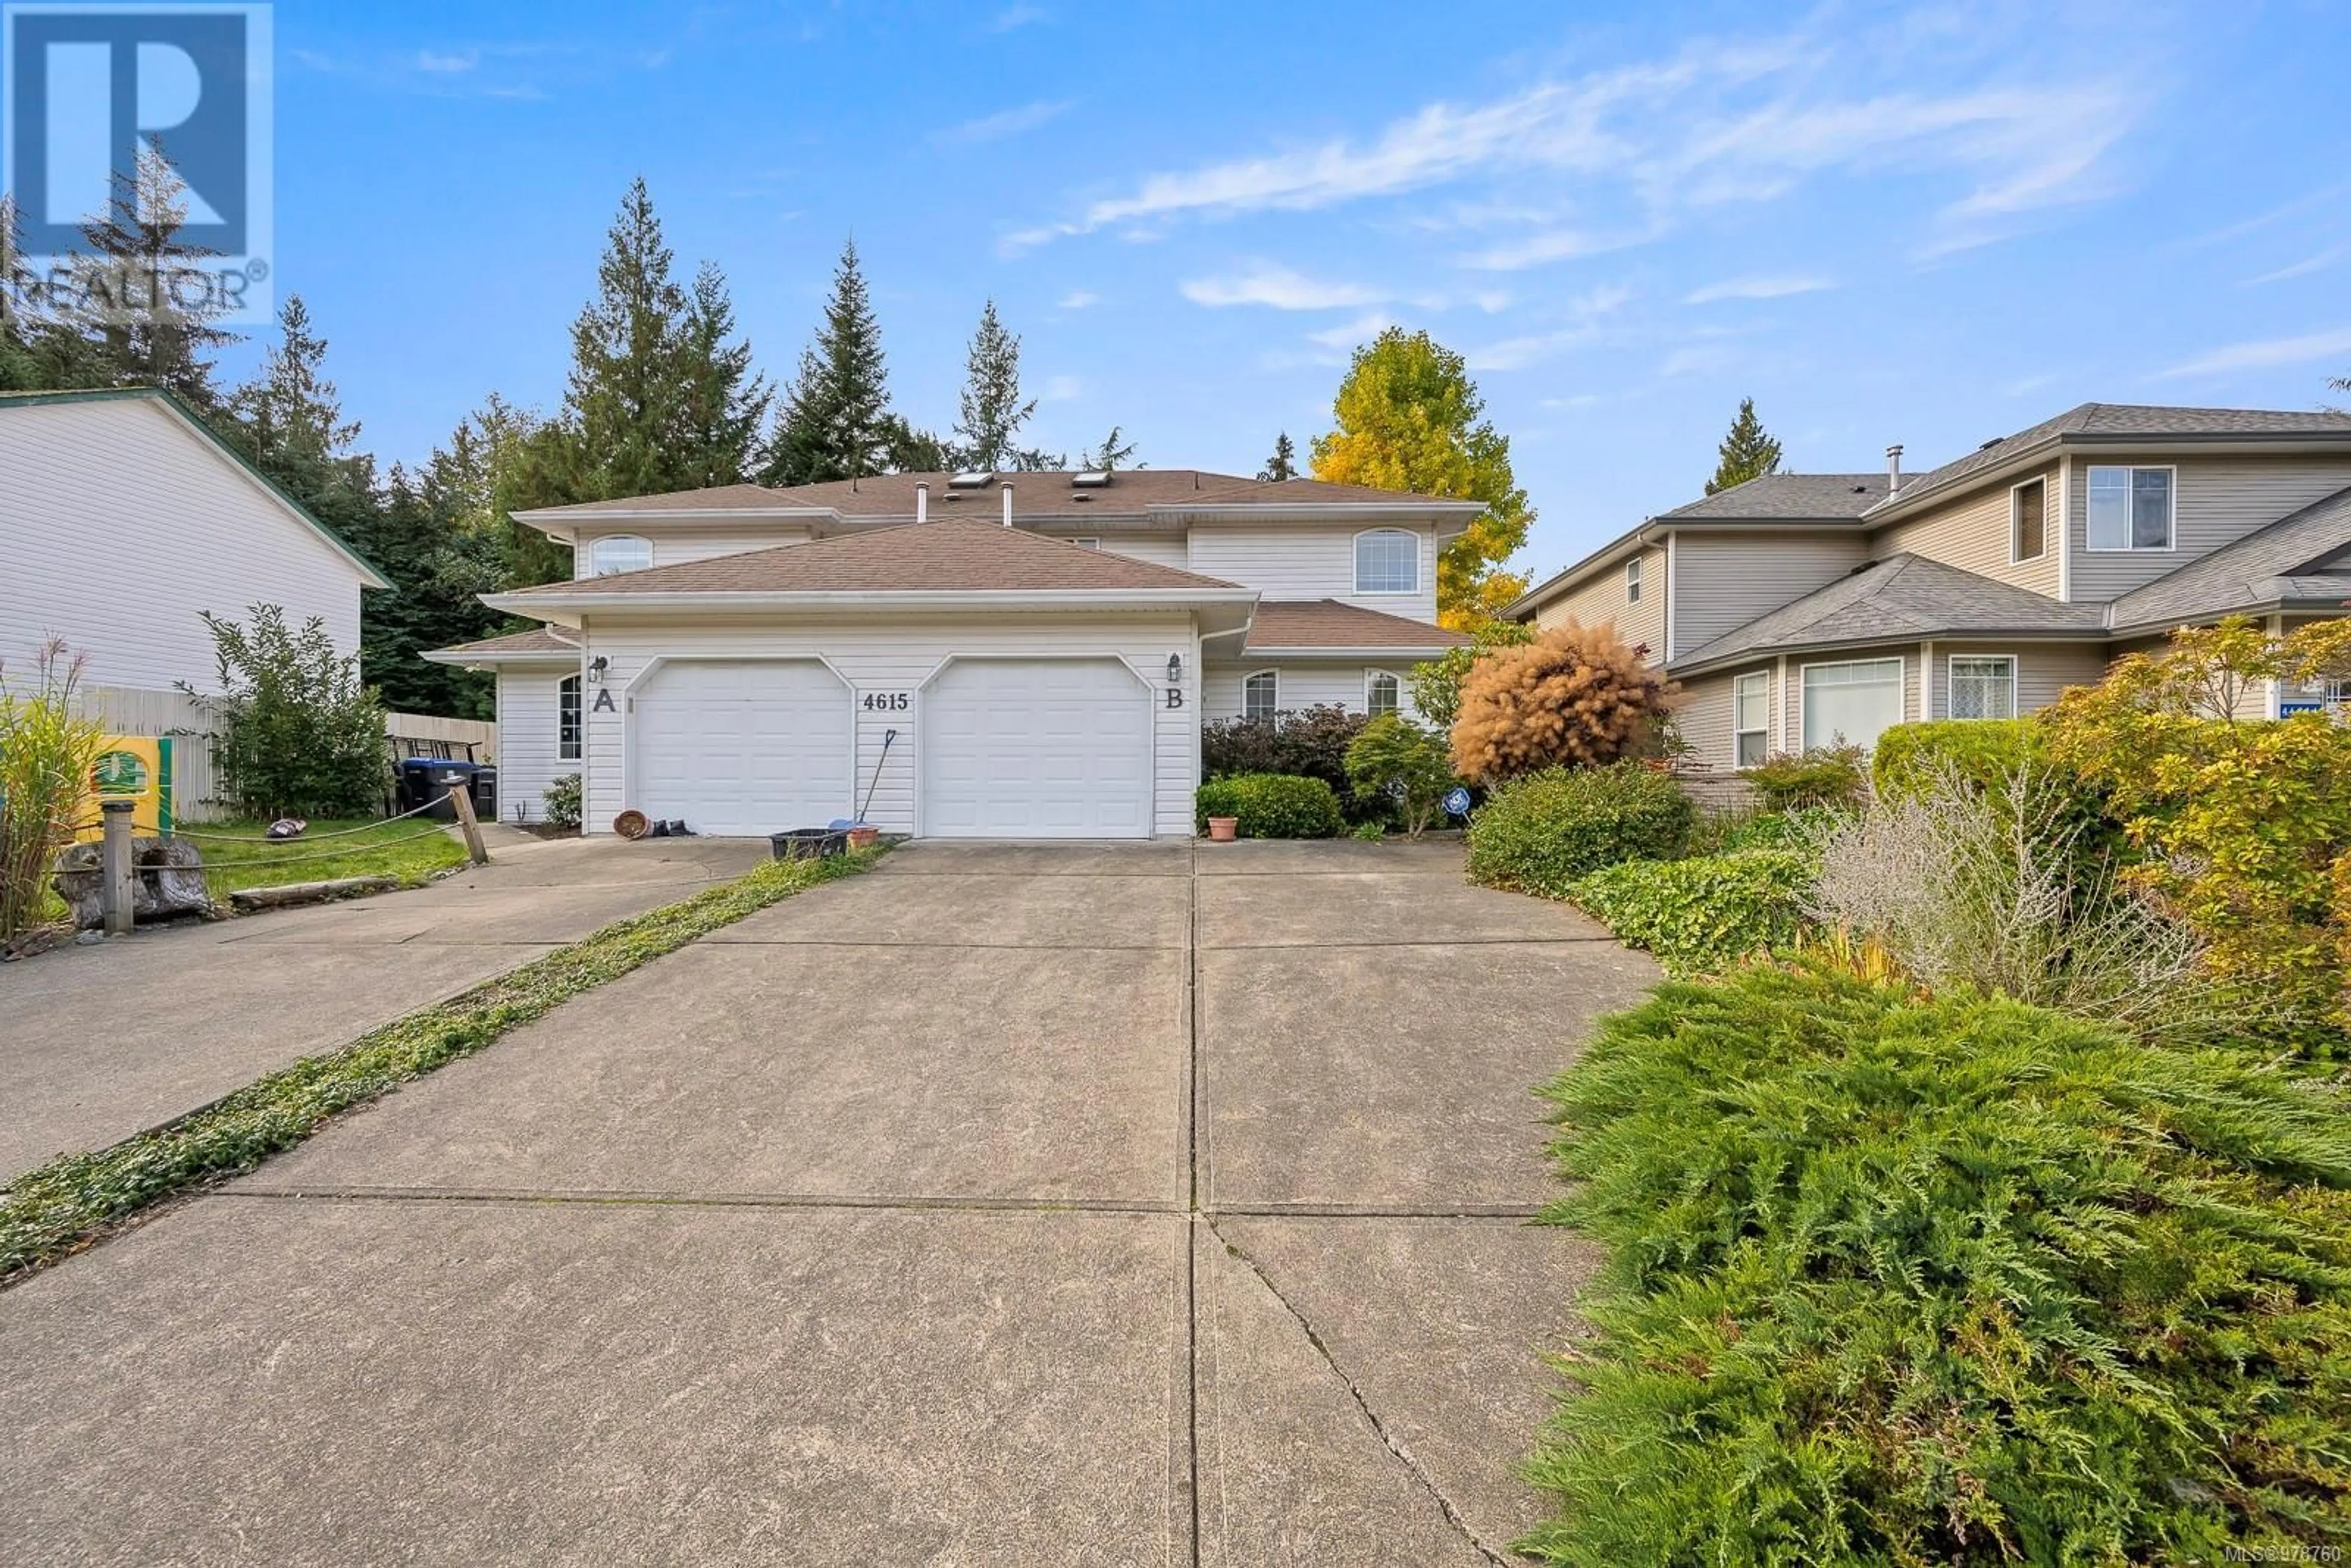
{"x": 2290, "y": 558}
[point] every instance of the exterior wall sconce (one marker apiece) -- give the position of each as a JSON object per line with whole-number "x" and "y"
{"x": 1175, "y": 669}
{"x": 596, "y": 668}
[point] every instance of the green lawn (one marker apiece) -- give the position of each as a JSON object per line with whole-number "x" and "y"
{"x": 411, "y": 850}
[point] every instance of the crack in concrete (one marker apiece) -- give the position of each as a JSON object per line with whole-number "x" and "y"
{"x": 1388, "y": 1439}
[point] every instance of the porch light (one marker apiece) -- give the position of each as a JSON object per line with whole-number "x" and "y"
{"x": 596, "y": 668}
{"x": 1175, "y": 669}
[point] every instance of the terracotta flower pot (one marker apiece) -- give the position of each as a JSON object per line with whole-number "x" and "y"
{"x": 863, "y": 837}
{"x": 1224, "y": 829}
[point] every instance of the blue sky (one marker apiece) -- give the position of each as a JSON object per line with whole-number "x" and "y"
{"x": 1926, "y": 224}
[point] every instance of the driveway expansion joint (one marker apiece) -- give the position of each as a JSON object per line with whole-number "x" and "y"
{"x": 554, "y": 1197}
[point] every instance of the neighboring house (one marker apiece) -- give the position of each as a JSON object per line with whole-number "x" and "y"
{"x": 122, "y": 519}
{"x": 1019, "y": 655}
{"x": 1800, "y": 609}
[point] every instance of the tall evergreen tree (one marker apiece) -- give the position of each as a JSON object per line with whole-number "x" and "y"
{"x": 289, "y": 421}
{"x": 1746, "y": 452}
{"x": 835, "y": 423}
{"x": 912, "y": 451}
{"x": 723, "y": 402}
{"x": 1283, "y": 463}
{"x": 1111, "y": 455}
{"x": 133, "y": 328}
{"x": 993, "y": 410}
{"x": 625, "y": 399}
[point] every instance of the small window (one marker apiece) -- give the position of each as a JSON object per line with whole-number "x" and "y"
{"x": 2028, "y": 506}
{"x": 2130, "y": 509}
{"x": 618, "y": 553}
{"x": 1633, "y": 581}
{"x": 1751, "y": 717}
{"x": 567, "y": 719}
{"x": 1388, "y": 560}
{"x": 1983, "y": 686}
{"x": 1261, "y": 695}
{"x": 1380, "y": 693}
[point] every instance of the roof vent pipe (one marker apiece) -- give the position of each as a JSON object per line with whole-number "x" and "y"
{"x": 1893, "y": 468}
{"x": 922, "y": 501}
{"x": 1007, "y": 506}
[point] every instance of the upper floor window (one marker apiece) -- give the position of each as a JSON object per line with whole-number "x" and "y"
{"x": 2130, "y": 509}
{"x": 1751, "y": 717}
{"x": 1381, "y": 693}
{"x": 1633, "y": 581}
{"x": 2028, "y": 507}
{"x": 1388, "y": 560}
{"x": 1261, "y": 695}
{"x": 567, "y": 719}
{"x": 1983, "y": 686}
{"x": 1087, "y": 544}
{"x": 619, "y": 552}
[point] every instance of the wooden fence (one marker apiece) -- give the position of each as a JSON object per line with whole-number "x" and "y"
{"x": 194, "y": 782}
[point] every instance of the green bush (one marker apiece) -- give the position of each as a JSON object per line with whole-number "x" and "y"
{"x": 564, "y": 800}
{"x": 1727, "y": 832}
{"x": 1271, "y": 806}
{"x": 1950, "y": 1280}
{"x": 300, "y": 734}
{"x": 1825, "y": 776}
{"x": 1397, "y": 761}
{"x": 1980, "y": 749}
{"x": 1705, "y": 914}
{"x": 1539, "y": 834}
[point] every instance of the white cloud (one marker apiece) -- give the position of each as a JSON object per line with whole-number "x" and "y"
{"x": 1078, "y": 300}
{"x": 2263, "y": 355}
{"x": 428, "y": 60}
{"x": 1347, "y": 334}
{"x": 1281, "y": 288}
{"x": 1695, "y": 360}
{"x": 2319, "y": 263}
{"x": 1544, "y": 249}
{"x": 1583, "y": 325}
{"x": 1755, "y": 289}
{"x": 2263, "y": 220}
{"x": 1003, "y": 124}
{"x": 1061, "y": 389}
{"x": 1016, "y": 16}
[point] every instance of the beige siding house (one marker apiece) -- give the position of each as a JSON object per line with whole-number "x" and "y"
{"x": 1805, "y": 608}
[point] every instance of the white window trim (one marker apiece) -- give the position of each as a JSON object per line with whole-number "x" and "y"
{"x": 1764, "y": 729}
{"x": 576, "y": 749}
{"x": 595, "y": 545}
{"x": 1273, "y": 675}
{"x": 2015, "y": 519}
{"x": 2170, "y": 545}
{"x": 1901, "y": 692}
{"x": 1951, "y": 683}
{"x": 1087, "y": 543}
{"x": 1633, "y": 581}
{"x": 1371, "y": 675}
{"x": 1356, "y": 562}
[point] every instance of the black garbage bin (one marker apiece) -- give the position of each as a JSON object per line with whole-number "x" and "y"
{"x": 423, "y": 781}
{"x": 485, "y": 791}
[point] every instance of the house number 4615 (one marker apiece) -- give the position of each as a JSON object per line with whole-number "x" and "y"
{"x": 887, "y": 701}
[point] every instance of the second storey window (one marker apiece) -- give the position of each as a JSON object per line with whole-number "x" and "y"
{"x": 1388, "y": 560}
{"x": 2130, "y": 509}
{"x": 619, "y": 552}
{"x": 1380, "y": 693}
{"x": 1633, "y": 581}
{"x": 1983, "y": 686}
{"x": 2028, "y": 506}
{"x": 1261, "y": 695}
{"x": 567, "y": 719}
{"x": 1751, "y": 717}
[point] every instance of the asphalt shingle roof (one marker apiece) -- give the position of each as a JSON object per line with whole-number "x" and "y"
{"x": 2265, "y": 567}
{"x": 1036, "y": 495}
{"x": 1787, "y": 497}
{"x": 1327, "y": 623}
{"x": 537, "y": 639}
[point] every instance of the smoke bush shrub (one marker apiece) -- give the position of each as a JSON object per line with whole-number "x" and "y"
{"x": 1540, "y": 834}
{"x": 1576, "y": 697}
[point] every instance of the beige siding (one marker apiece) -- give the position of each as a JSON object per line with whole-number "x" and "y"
{"x": 118, "y": 525}
{"x": 675, "y": 544}
{"x": 1600, "y": 601}
{"x": 1792, "y": 699}
{"x": 1308, "y": 561}
{"x": 1722, "y": 582}
{"x": 1975, "y": 533}
{"x": 886, "y": 655}
{"x": 1300, "y": 684}
{"x": 2042, "y": 670}
{"x": 2214, "y": 501}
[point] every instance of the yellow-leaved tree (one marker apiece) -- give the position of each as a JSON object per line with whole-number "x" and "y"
{"x": 1410, "y": 419}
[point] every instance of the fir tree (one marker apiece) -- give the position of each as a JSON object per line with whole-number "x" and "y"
{"x": 723, "y": 403}
{"x": 1283, "y": 463}
{"x": 912, "y": 451}
{"x": 1747, "y": 452}
{"x": 836, "y": 421}
{"x": 1111, "y": 455}
{"x": 133, "y": 328}
{"x": 289, "y": 421}
{"x": 993, "y": 410}
{"x": 625, "y": 399}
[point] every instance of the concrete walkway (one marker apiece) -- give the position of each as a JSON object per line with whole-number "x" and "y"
{"x": 1009, "y": 1205}
{"x": 100, "y": 1043}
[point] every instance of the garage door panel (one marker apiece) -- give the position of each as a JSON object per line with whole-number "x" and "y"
{"x": 742, "y": 746}
{"x": 1038, "y": 748}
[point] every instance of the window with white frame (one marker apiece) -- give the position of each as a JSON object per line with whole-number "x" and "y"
{"x": 567, "y": 719}
{"x": 1633, "y": 581}
{"x": 618, "y": 553}
{"x": 1851, "y": 704}
{"x": 1751, "y": 717}
{"x": 1388, "y": 560}
{"x": 1261, "y": 695}
{"x": 1983, "y": 686}
{"x": 2130, "y": 509}
{"x": 1381, "y": 693}
{"x": 1087, "y": 544}
{"x": 2028, "y": 506}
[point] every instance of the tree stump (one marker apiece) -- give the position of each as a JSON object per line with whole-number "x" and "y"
{"x": 166, "y": 881}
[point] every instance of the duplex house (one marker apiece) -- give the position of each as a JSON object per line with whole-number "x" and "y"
{"x": 1021, "y": 655}
{"x": 1803, "y": 609}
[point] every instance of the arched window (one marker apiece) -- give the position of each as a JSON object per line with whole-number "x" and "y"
{"x": 1381, "y": 693}
{"x": 567, "y": 719}
{"x": 1261, "y": 695}
{"x": 1388, "y": 560}
{"x": 619, "y": 552}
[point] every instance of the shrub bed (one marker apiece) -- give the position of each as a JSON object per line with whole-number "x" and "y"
{"x": 1307, "y": 742}
{"x": 1704, "y": 915}
{"x": 1271, "y": 806}
{"x": 1951, "y": 1281}
{"x": 1829, "y": 776}
{"x": 1540, "y": 834}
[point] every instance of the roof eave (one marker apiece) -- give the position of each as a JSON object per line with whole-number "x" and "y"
{"x": 463, "y": 660}
{"x": 1693, "y": 665}
{"x": 1368, "y": 651}
{"x": 837, "y": 600}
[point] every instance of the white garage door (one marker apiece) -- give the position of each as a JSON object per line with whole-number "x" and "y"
{"x": 1037, "y": 749}
{"x": 741, "y": 747}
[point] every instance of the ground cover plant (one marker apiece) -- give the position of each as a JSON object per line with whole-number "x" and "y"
{"x": 1705, "y": 914}
{"x": 57, "y": 1209}
{"x": 1271, "y": 806}
{"x": 1902, "y": 1278}
{"x": 1540, "y": 834}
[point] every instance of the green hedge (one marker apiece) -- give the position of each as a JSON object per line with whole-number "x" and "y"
{"x": 1705, "y": 914}
{"x": 1832, "y": 776}
{"x": 1541, "y": 832}
{"x": 1271, "y": 806}
{"x": 1953, "y": 1282}
{"x": 1981, "y": 749}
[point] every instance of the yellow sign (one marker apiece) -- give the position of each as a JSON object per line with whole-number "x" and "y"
{"x": 134, "y": 767}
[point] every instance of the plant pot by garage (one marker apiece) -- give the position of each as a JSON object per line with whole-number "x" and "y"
{"x": 863, "y": 836}
{"x": 1224, "y": 829}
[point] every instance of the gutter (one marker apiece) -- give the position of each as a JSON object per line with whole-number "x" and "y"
{"x": 530, "y": 603}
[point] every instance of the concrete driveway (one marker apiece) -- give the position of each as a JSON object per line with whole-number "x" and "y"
{"x": 100, "y": 1043}
{"x": 1011, "y": 1205}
